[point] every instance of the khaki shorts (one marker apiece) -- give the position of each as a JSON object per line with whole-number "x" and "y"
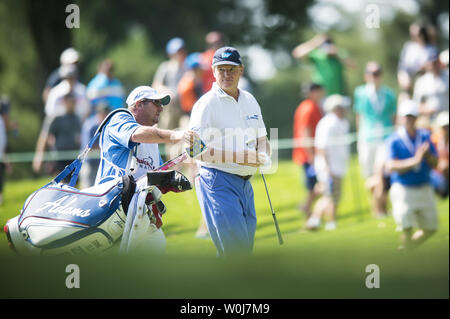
{"x": 414, "y": 207}
{"x": 371, "y": 156}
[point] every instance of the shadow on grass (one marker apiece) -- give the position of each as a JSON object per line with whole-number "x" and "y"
{"x": 178, "y": 231}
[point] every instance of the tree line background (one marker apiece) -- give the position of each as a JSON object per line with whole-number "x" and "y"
{"x": 134, "y": 33}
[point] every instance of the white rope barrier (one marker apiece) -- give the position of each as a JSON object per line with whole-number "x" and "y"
{"x": 280, "y": 144}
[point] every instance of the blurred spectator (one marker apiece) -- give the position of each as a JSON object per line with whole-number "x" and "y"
{"x": 68, "y": 57}
{"x": 413, "y": 56}
{"x": 63, "y": 134}
{"x": 443, "y": 58}
{"x": 4, "y": 110}
{"x": 89, "y": 170}
{"x": 214, "y": 40}
{"x": 244, "y": 84}
{"x": 431, "y": 89}
{"x": 5, "y": 126}
{"x": 332, "y": 153}
{"x": 411, "y": 156}
{"x": 439, "y": 176}
{"x": 329, "y": 65}
{"x": 306, "y": 118}
{"x": 104, "y": 87}
{"x": 3, "y": 142}
{"x": 190, "y": 87}
{"x": 55, "y": 105}
{"x": 166, "y": 81}
{"x": 375, "y": 109}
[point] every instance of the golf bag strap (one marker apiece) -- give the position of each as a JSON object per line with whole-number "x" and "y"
{"x": 75, "y": 166}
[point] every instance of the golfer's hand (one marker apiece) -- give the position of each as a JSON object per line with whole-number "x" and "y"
{"x": 189, "y": 137}
{"x": 251, "y": 158}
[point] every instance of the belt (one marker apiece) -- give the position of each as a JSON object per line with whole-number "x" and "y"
{"x": 245, "y": 178}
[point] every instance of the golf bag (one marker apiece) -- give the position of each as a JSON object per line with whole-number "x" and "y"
{"x": 59, "y": 219}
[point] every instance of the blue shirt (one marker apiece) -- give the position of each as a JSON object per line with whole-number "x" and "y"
{"x": 399, "y": 150}
{"x": 102, "y": 88}
{"x": 117, "y": 150}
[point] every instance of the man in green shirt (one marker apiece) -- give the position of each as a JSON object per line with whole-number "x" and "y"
{"x": 328, "y": 64}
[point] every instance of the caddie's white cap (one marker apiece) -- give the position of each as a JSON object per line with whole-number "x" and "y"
{"x": 69, "y": 56}
{"x": 146, "y": 92}
{"x": 335, "y": 100}
{"x": 408, "y": 107}
{"x": 442, "y": 119}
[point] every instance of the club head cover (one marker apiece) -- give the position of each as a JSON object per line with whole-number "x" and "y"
{"x": 153, "y": 196}
{"x": 169, "y": 181}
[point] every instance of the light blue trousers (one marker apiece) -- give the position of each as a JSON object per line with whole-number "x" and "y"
{"x": 227, "y": 204}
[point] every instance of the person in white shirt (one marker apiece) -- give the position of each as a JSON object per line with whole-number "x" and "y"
{"x": 431, "y": 90}
{"x": 229, "y": 121}
{"x": 55, "y": 105}
{"x": 332, "y": 152}
{"x": 414, "y": 55}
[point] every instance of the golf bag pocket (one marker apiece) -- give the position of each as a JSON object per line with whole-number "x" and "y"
{"x": 60, "y": 219}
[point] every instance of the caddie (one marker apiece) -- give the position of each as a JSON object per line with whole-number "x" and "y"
{"x": 60, "y": 219}
{"x": 227, "y": 118}
{"x": 129, "y": 145}
{"x": 129, "y": 142}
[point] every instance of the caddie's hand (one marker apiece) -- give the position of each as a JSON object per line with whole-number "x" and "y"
{"x": 185, "y": 136}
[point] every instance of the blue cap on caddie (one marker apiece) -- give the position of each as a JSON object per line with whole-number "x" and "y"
{"x": 227, "y": 55}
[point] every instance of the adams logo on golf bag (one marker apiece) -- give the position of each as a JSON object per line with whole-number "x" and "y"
{"x": 61, "y": 219}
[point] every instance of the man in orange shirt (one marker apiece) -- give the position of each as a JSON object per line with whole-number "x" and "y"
{"x": 214, "y": 40}
{"x": 306, "y": 117}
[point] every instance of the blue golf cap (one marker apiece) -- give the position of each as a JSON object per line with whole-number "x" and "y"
{"x": 227, "y": 55}
{"x": 174, "y": 45}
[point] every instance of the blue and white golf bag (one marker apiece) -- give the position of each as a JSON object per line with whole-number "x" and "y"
{"x": 59, "y": 219}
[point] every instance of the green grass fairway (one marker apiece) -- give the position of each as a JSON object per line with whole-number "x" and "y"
{"x": 317, "y": 264}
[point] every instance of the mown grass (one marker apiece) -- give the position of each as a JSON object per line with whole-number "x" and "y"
{"x": 309, "y": 265}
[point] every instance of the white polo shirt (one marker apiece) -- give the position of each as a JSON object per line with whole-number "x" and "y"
{"x": 331, "y": 136}
{"x": 226, "y": 124}
{"x": 55, "y": 105}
